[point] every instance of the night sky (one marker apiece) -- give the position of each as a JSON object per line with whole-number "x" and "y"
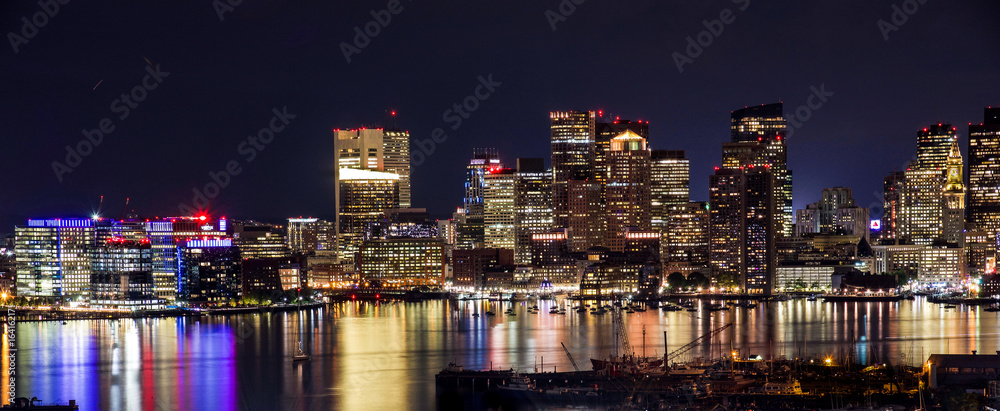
{"x": 226, "y": 75}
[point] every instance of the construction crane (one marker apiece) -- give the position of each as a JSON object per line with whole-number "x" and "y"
{"x": 691, "y": 345}
{"x": 577, "y": 367}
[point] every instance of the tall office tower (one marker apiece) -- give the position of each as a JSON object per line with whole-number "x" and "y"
{"x": 892, "y": 189}
{"x": 921, "y": 209}
{"x": 53, "y": 258}
{"x": 209, "y": 270}
{"x": 830, "y": 201}
{"x": 685, "y": 238}
{"x": 532, "y": 205}
{"x": 573, "y": 149}
{"x": 670, "y": 175}
{"x": 758, "y": 138}
{"x": 933, "y": 146}
{"x": 362, "y": 148}
{"x": 396, "y": 149}
{"x": 984, "y": 180}
{"x": 852, "y": 220}
{"x": 603, "y": 133}
{"x": 364, "y": 196}
{"x": 122, "y": 274}
{"x": 628, "y": 188}
{"x": 258, "y": 240}
{"x": 954, "y": 198}
{"x": 164, "y": 236}
{"x": 498, "y": 208}
{"x": 725, "y": 206}
{"x": 760, "y": 209}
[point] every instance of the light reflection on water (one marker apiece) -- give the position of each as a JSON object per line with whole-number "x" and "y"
{"x": 385, "y": 355}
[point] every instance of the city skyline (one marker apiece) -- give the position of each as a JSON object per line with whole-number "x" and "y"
{"x": 867, "y": 120}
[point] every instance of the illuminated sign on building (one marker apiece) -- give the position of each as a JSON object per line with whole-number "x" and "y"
{"x": 209, "y": 243}
{"x": 875, "y": 225}
{"x": 59, "y": 222}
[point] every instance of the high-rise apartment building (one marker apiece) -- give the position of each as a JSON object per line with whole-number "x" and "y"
{"x": 685, "y": 239}
{"x": 743, "y": 207}
{"x": 984, "y": 180}
{"x": 725, "y": 206}
{"x": 670, "y": 175}
{"x": 921, "y": 211}
{"x": 628, "y": 188}
{"x": 933, "y": 146}
{"x": 892, "y": 189}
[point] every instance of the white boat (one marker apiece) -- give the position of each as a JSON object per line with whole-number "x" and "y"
{"x": 518, "y": 382}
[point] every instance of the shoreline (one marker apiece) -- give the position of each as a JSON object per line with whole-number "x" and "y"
{"x": 32, "y": 315}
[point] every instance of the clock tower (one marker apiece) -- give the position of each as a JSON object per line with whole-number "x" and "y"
{"x": 954, "y": 197}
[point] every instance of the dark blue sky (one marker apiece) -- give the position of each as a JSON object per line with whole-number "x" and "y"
{"x": 225, "y": 76}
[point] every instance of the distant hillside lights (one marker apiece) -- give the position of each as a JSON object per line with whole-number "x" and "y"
{"x": 248, "y": 148}
{"x": 124, "y": 105}
{"x": 454, "y": 115}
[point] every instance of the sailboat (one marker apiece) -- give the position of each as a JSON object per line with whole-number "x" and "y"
{"x": 300, "y": 354}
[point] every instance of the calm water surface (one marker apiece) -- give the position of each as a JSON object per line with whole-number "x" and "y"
{"x": 384, "y": 356}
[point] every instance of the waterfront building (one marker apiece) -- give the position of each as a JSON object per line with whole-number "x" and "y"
{"x": 259, "y": 240}
{"x": 402, "y": 262}
{"x": 725, "y": 207}
{"x": 607, "y": 279}
{"x": 210, "y": 270}
{"x": 122, "y": 275}
{"x": 811, "y": 275}
{"x": 984, "y": 180}
{"x": 470, "y": 266}
{"x": 53, "y": 258}
{"x": 164, "y": 236}
{"x": 273, "y": 274}
{"x": 552, "y": 257}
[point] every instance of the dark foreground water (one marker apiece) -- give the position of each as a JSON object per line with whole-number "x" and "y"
{"x": 384, "y": 356}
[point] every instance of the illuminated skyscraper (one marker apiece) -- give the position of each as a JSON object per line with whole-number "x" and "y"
{"x": 396, "y": 151}
{"x": 122, "y": 275}
{"x": 498, "y": 208}
{"x": 758, "y": 137}
{"x": 725, "y": 206}
{"x": 670, "y": 174}
{"x": 954, "y": 198}
{"x": 362, "y": 148}
{"x": 53, "y": 258}
{"x": 628, "y": 188}
{"x": 574, "y": 184}
{"x": 402, "y": 262}
{"x": 472, "y": 230}
{"x": 532, "y": 205}
{"x": 310, "y": 234}
{"x": 933, "y": 146}
{"x": 364, "y": 197}
{"x": 984, "y": 179}
{"x": 743, "y": 207}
